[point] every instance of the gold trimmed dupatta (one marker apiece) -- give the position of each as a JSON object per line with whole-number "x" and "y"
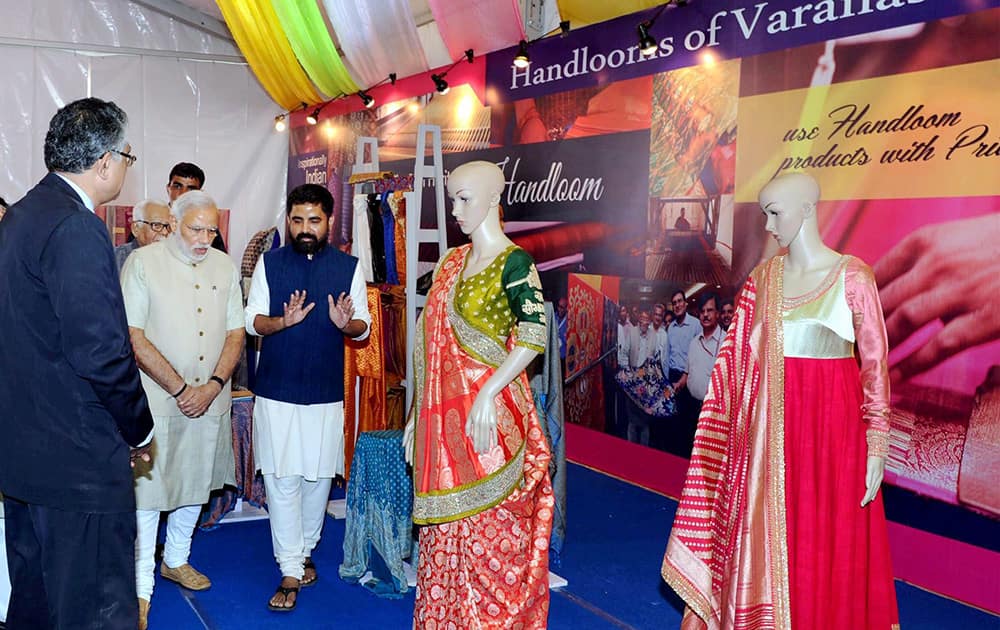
{"x": 727, "y": 556}
{"x": 452, "y": 361}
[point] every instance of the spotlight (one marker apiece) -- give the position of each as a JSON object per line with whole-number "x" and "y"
{"x": 440, "y": 84}
{"x": 279, "y": 122}
{"x": 366, "y": 98}
{"x": 564, "y": 28}
{"x": 522, "y": 59}
{"x": 647, "y": 45}
{"x": 392, "y": 78}
{"x": 469, "y": 56}
{"x": 313, "y": 118}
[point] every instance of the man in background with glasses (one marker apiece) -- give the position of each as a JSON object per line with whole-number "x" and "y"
{"x": 185, "y": 177}
{"x": 150, "y": 223}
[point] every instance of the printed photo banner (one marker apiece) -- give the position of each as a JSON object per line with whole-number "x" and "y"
{"x": 919, "y": 134}
{"x": 599, "y": 178}
{"x": 307, "y": 168}
{"x": 585, "y": 179}
{"x": 609, "y": 51}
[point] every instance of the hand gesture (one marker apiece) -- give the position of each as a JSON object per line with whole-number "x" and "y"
{"x": 931, "y": 275}
{"x": 481, "y": 426}
{"x": 873, "y": 478}
{"x": 194, "y": 401}
{"x": 341, "y": 310}
{"x": 295, "y": 312}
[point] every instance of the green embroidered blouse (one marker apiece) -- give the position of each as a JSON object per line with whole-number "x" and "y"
{"x": 505, "y": 299}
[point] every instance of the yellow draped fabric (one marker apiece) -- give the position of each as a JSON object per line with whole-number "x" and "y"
{"x": 584, "y": 12}
{"x": 258, "y": 33}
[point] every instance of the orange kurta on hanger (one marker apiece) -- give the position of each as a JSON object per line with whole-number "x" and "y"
{"x": 364, "y": 360}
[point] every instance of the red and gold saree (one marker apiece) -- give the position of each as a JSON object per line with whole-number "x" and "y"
{"x": 484, "y": 554}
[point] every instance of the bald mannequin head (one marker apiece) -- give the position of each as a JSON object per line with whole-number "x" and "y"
{"x": 799, "y": 186}
{"x": 475, "y": 189}
{"x": 789, "y": 203}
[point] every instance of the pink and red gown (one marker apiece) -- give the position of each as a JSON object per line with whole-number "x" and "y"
{"x": 769, "y": 532}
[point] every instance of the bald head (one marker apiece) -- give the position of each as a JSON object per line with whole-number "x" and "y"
{"x": 475, "y": 189}
{"x": 485, "y": 175}
{"x": 794, "y": 189}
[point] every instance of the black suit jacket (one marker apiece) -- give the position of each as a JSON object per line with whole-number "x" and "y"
{"x": 71, "y": 401}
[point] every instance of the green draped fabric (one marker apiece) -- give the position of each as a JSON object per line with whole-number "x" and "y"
{"x": 307, "y": 33}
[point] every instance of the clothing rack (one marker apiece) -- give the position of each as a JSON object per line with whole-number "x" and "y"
{"x": 415, "y": 234}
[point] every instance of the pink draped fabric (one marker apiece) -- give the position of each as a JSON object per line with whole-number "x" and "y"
{"x": 483, "y": 25}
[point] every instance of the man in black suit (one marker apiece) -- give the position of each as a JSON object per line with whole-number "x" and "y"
{"x": 73, "y": 406}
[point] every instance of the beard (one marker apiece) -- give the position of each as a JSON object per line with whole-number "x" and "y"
{"x": 308, "y": 244}
{"x": 188, "y": 250}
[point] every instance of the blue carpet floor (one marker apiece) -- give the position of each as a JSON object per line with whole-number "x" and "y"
{"x": 614, "y": 545}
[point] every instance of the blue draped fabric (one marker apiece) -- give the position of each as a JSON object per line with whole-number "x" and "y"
{"x": 546, "y": 387}
{"x": 379, "y": 507}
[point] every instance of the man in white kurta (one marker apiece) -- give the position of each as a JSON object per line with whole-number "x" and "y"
{"x": 184, "y": 309}
{"x": 305, "y": 299}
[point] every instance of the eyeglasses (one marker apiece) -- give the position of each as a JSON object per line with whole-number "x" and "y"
{"x": 198, "y": 230}
{"x": 156, "y": 226}
{"x": 129, "y": 158}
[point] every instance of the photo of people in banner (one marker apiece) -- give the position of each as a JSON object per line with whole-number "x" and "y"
{"x": 632, "y": 195}
{"x": 639, "y": 354}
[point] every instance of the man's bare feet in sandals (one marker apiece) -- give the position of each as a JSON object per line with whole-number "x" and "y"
{"x": 286, "y": 597}
{"x": 310, "y": 576}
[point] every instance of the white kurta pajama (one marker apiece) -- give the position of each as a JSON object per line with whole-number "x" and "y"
{"x": 298, "y": 448}
{"x": 185, "y": 309}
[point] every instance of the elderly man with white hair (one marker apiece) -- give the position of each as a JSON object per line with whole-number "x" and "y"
{"x": 185, "y": 318}
{"x": 150, "y": 224}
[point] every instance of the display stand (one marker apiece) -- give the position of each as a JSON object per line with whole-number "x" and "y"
{"x": 415, "y": 234}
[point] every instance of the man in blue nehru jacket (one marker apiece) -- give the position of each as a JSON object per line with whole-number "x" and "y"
{"x": 299, "y": 409}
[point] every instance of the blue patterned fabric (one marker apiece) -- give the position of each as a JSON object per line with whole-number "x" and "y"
{"x": 379, "y": 513}
{"x": 648, "y": 388}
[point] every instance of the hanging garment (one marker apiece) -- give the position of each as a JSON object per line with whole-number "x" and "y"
{"x": 376, "y": 236}
{"x": 398, "y": 204}
{"x": 377, "y": 534}
{"x": 364, "y": 366}
{"x": 547, "y": 387}
{"x": 389, "y": 239}
{"x": 361, "y": 248}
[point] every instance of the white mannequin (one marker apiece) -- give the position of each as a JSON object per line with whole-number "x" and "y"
{"x": 475, "y": 189}
{"x": 789, "y": 203}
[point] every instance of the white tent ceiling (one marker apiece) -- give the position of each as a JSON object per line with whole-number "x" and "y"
{"x": 540, "y": 16}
